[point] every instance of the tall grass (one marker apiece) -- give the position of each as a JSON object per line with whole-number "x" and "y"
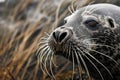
{"x": 18, "y": 60}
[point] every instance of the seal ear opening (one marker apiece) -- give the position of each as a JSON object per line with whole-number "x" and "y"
{"x": 111, "y": 22}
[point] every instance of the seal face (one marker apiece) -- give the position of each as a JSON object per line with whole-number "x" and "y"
{"x": 91, "y": 39}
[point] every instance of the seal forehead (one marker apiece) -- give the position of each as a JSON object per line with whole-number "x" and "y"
{"x": 72, "y": 16}
{"x": 104, "y": 10}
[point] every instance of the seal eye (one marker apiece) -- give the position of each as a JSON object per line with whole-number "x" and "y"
{"x": 91, "y": 23}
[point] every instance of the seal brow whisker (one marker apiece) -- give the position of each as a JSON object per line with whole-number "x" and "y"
{"x": 86, "y": 9}
{"x": 104, "y": 55}
{"x": 79, "y": 64}
{"x": 100, "y": 63}
{"x": 91, "y": 10}
{"x": 83, "y": 62}
{"x": 95, "y": 10}
{"x": 69, "y": 8}
{"x": 94, "y": 66}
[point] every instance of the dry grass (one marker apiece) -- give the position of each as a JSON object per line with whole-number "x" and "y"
{"x": 18, "y": 48}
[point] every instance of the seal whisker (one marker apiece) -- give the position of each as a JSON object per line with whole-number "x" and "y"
{"x": 94, "y": 10}
{"x": 42, "y": 61}
{"x": 45, "y": 63}
{"x": 43, "y": 53}
{"x": 51, "y": 67}
{"x": 91, "y": 10}
{"x": 86, "y": 9}
{"x": 69, "y": 8}
{"x": 69, "y": 50}
{"x": 47, "y": 34}
{"x": 44, "y": 38}
{"x": 73, "y": 65}
{"x": 40, "y": 65}
{"x": 84, "y": 63}
{"x": 72, "y": 6}
{"x": 42, "y": 43}
{"x": 102, "y": 45}
{"x": 84, "y": 12}
{"x": 94, "y": 66}
{"x": 52, "y": 59}
{"x": 79, "y": 64}
{"x": 41, "y": 48}
{"x": 104, "y": 55}
{"x": 100, "y": 63}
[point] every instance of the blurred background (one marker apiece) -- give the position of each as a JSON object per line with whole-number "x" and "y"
{"x": 22, "y": 24}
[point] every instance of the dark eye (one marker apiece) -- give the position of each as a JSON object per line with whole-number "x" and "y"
{"x": 91, "y": 23}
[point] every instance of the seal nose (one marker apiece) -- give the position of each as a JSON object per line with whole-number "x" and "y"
{"x": 61, "y": 34}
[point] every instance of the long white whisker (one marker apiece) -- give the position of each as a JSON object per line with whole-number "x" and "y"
{"x": 94, "y": 66}
{"x": 100, "y": 63}
{"x": 43, "y": 38}
{"x": 104, "y": 55}
{"x": 42, "y": 42}
{"x": 79, "y": 64}
{"x": 41, "y": 65}
{"x": 52, "y": 59}
{"x": 41, "y": 59}
{"x": 43, "y": 53}
{"x": 70, "y": 10}
{"x": 83, "y": 62}
{"x": 85, "y": 10}
{"x": 41, "y": 48}
{"x": 102, "y": 45}
{"x": 45, "y": 64}
{"x": 51, "y": 67}
{"x": 73, "y": 65}
{"x": 47, "y": 33}
{"x": 69, "y": 50}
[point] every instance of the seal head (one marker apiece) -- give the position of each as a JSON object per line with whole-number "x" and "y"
{"x": 90, "y": 38}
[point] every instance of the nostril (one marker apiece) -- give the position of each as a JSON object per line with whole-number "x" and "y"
{"x": 56, "y": 35}
{"x": 59, "y": 36}
{"x": 62, "y": 36}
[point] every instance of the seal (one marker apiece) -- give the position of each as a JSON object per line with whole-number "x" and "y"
{"x": 90, "y": 38}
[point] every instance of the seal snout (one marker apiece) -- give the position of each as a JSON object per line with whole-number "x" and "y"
{"x": 62, "y": 34}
